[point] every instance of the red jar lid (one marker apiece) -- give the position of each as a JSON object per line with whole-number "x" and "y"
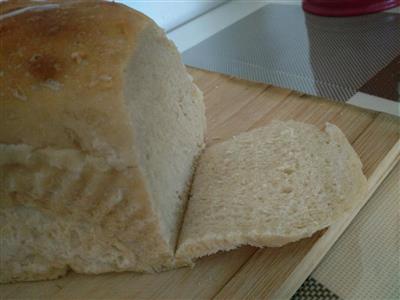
{"x": 337, "y": 8}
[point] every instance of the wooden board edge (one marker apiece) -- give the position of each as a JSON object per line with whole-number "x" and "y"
{"x": 324, "y": 244}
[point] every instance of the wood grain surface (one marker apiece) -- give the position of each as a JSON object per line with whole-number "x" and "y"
{"x": 234, "y": 106}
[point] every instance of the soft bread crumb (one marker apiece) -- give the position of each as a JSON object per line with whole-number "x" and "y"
{"x": 269, "y": 187}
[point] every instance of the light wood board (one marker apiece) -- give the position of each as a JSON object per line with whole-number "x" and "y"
{"x": 234, "y": 106}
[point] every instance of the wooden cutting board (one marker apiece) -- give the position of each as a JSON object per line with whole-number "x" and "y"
{"x": 234, "y": 106}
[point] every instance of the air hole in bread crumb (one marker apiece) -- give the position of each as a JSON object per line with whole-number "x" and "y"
{"x": 300, "y": 226}
{"x": 30, "y": 259}
{"x": 287, "y": 190}
{"x": 288, "y": 171}
{"x": 120, "y": 259}
{"x": 75, "y": 241}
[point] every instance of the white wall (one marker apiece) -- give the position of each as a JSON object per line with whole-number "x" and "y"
{"x": 170, "y": 14}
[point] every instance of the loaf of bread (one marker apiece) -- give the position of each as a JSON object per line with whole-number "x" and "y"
{"x": 100, "y": 134}
{"x": 269, "y": 187}
{"x": 100, "y": 129}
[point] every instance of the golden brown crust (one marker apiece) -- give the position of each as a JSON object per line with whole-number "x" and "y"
{"x": 61, "y": 74}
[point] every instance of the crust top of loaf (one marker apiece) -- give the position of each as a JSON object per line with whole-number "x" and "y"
{"x": 62, "y": 74}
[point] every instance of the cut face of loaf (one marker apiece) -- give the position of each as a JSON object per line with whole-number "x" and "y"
{"x": 269, "y": 187}
{"x": 101, "y": 128}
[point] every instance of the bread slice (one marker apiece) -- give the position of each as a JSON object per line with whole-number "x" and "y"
{"x": 269, "y": 187}
{"x": 101, "y": 126}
